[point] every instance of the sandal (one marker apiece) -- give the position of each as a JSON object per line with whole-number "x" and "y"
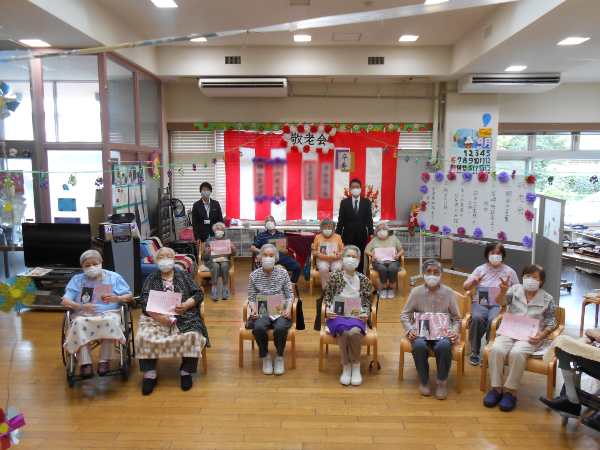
{"x": 103, "y": 368}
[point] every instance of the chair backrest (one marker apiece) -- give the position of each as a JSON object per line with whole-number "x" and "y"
{"x": 464, "y": 303}
{"x": 560, "y": 314}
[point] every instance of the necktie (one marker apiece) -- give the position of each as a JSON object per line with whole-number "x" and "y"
{"x": 356, "y": 206}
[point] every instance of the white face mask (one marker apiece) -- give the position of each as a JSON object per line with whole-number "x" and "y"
{"x": 268, "y": 262}
{"x": 219, "y": 233}
{"x": 327, "y": 232}
{"x": 166, "y": 264}
{"x": 382, "y": 234}
{"x": 355, "y": 192}
{"x": 93, "y": 271}
{"x": 530, "y": 284}
{"x": 350, "y": 263}
{"x": 432, "y": 280}
{"x": 495, "y": 260}
{"x": 270, "y": 225}
{"x": 205, "y": 194}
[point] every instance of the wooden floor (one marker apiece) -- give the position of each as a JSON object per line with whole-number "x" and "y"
{"x": 231, "y": 408}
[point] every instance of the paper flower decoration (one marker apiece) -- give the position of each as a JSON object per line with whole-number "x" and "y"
{"x": 423, "y": 206}
{"x": 446, "y": 230}
{"x": 425, "y": 177}
{"x": 467, "y": 176}
{"x": 423, "y": 189}
{"x": 434, "y": 228}
{"x": 300, "y": 128}
{"x": 529, "y": 215}
{"x": 286, "y": 129}
{"x": 530, "y": 197}
{"x": 169, "y": 173}
{"x": 327, "y": 128}
{"x": 501, "y": 236}
{"x": 503, "y": 177}
{"x": 306, "y": 148}
{"x": 314, "y": 128}
{"x": 477, "y": 233}
{"x": 482, "y": 177}
{"x": 15, "y": 293}
{"x": 422, "y": 225}
{"x": 65, "y": 187}
{"x": 527, "y": 241}
{"x": 294, "y": 148}
{"x": 451, "y": 176}
{"x": 72, "y": 180}
{"x": 461, "y": 231}
{"x": 530, "y": 179}
{"x": 10, "y": 423}
{"x": 439, "y": 176}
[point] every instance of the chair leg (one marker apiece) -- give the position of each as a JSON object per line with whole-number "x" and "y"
{"x": 376, "y": 356}
{"x": 231, "y": 285}
{"x": 551, "y": 380}
{"x": 204, "y": 362}
{"x": 483, "y": 378}
{"x": 252, "y": 344}
{"x": 320, "y": 356}
{"x": 459, "y": 372}
{"x": 327, "y": 349}
{"x": 401, "y": 365}
{"x": 293, "y": 352}
{"x": 311, "y": 283}
{"x": 241, "y": 352}
{"x": 583, "y": 305}
{"x": 368, "y": 350}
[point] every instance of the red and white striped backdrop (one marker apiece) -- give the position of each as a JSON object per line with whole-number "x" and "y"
{"x": 374, "y": 164}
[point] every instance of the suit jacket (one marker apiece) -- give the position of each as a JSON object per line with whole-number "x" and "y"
{"x": 355, "y": 228}
{"x": 203, "y": 230}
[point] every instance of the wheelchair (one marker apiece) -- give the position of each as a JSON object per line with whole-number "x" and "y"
{"x": 126, "y": 351}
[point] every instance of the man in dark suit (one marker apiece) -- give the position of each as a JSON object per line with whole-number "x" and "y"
{"x": 205, "y": 213}
{"x": 355, "y": 219}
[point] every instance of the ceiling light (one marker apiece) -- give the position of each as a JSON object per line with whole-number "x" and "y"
{"x": 515, "y": 68}
{"x": 199, "y": 39}
{"x": 164, "y": 3}
{"x": 573, "y": 40}
{"x": 34, "y": 43}
{"x": 302, "y": 38}
{"x": 434, "y": 2}
{"x": 408, "y": 38}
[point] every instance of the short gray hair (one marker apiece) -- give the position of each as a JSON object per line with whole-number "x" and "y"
{"x": 432, "y": 262}
{"x": 89, "y": 254}
{"x": 218, "y": 224}
{"x": 326, "y": 222}
{"x": 382, "y": 226}
{"x": 161, "y": 251}
{"x": 267, "y": 247}
{"x": 348, "y": 248}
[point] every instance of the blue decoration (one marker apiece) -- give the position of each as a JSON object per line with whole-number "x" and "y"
{"x": 477, "y": 233}
{"x": 527, "y": 241}
{"x": 530, "y": 197}
{"x": 9, "y": 101}
{"x": 467, "y": 176}
{"x": 423, "y": 189}
{"x": 439, "y": 176}
{"x": 65, "y": 187}
{"x": 446, "y": 230}
{"x": 503, "y": 177}
{"x": 487, "y": 118}
{"x": 422, "y": 225}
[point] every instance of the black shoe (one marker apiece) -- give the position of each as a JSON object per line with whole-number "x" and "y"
{"x": 563, "y": 406}
{"x": 148, "y": 386}
{"x": 186, "y": 382}
{"x": 592, "y": 421}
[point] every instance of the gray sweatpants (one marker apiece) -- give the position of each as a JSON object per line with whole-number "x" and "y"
{"x": 443, "y": 357}
{"x": 388, "y": 271}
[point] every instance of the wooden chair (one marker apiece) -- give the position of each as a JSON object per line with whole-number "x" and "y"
{"x": 458, "y": 348}
{"x": 246, "y": 335}
{"x": 535, "y": 365}
{"x": 402, "y": 275}
{"x": 204, "y": 361}
{"x": 204, "y": 275}
{"x": 370, "y": 340}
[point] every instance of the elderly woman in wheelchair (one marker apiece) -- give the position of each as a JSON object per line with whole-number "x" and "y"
{"x": 94, "y": 301}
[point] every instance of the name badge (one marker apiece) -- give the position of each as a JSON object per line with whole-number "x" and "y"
{"x": 206, "y": 222}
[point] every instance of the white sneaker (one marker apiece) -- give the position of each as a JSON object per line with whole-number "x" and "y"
{"x": 391, "y": 294}
{"x": 279, "y": 365}
{"x": 356, "y": 378}
{"x": 267, "y": 365}
{"x": 387, "y": 293}
{"x": 346, "y": 376}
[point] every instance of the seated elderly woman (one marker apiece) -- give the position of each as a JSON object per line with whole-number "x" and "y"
{"x": 328, "y": 247}
{"x": 218, "y": 263}
{"x": 385, "y": 251}
{"x": 270, "y": 283}
{"x": 95, "y": 297}
{"x": 349, "y": 327}
{"x": 437, "y": 301}
{"x": 170, "y": 334}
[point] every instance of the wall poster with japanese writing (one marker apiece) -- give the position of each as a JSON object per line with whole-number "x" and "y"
{"x": 260, "y": 173}
{"x": 471, "y": 150}
{"x": 310, "y": 171}
{"x": 480, "y": 206}
{"x": 325, "y": 181}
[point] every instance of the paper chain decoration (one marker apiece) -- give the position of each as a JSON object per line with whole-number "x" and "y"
{"x": 10, "y": 423}
{"x": 18, "y": 291}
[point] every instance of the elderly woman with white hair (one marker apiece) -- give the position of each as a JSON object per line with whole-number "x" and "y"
{"x": 349, "y": 331}
{"x": 182, "y": 334}
{"x": 95, "y": 297}
{"x": 218, "y": 263}
{"x": 270, "y": 281}
{"x": 385, "y": 251}
{"x": 328, "y": 247}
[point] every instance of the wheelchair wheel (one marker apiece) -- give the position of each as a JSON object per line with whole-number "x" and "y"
{"x": 70, "y": 380}
{"x": 125, "y": 370}
{"x": 63, "y": 336}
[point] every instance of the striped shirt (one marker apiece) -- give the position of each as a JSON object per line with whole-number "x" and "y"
{"x": 274, "y": 283}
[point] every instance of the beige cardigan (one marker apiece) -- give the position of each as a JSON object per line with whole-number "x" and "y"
{"x": 576, "y": 346}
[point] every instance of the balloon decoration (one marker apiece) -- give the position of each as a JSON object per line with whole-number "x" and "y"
{"x": 16, "y": 293}
{"x": 9, "y": 101}
{"x": 12, "y": 200}
{"x": 486, "y": 119}
{"x": 406, "y": 127}
{"x": 11, "y": 422}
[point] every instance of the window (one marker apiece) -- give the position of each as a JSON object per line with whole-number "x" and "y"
{"x": 149, "y": 111}
{"x": 68, "y": 200}
{"x": 561, "y": 141}
{"x": 589, "y": 141}
{"x": 519, "y": 166}
{"x": 199, "y": 148}
{"x": 19, "y": 125}
{"x": 513, "y": 142}
{"x": 71, "y": 99}
{"x": 120, "y": 104}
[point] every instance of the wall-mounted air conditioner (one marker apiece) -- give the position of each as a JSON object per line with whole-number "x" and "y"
{"x": 244, "y": 87}
{"x": 505, "y": 83}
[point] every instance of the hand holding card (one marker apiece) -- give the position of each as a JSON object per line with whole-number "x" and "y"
{"x": 163, "y": 302}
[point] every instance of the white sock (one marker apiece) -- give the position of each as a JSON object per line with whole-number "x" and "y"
{"x": 184, "y": 373}
{"x": 569, "y": 377}
{"x": 150, "y": 374}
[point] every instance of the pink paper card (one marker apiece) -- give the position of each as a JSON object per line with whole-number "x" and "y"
{"x": 271, "y": 305}
{"x": 385, "y": 253}
{"x": 347, "y": 306}
{"x": 220, "y": 247}
{"x": 328, "y": 249}
{"x": 432, "y": 326}
{"x": 100, "y": 291}
{"x": 518, "y": 326}
{"x": 163, "y": 302}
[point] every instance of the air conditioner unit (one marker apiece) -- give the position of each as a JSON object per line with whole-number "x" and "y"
{"x": 508, "y": 83}
{"x": 244, "y": 87}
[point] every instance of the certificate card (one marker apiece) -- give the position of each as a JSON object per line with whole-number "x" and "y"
{"x": 163, "y": 302}
{"x": 272, "y": 306}
{"x": 385, "y": 254}
{"x": 487, "y": 295}
{"x": 220, "y": 247}
{"x": 347, "y": 306}
{"x": 100, "y": 291}
{"x": 517, "y": 326}
{"x": 432, "y": 326}
{"x": 328, "y": 249}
